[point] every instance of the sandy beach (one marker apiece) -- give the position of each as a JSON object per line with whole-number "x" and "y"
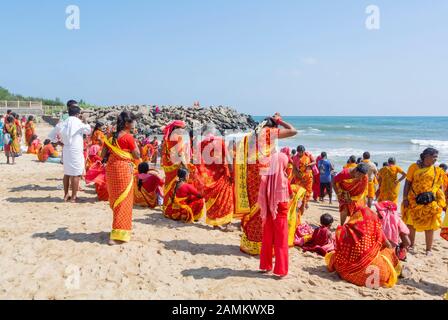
{"x": 45, "y": 241}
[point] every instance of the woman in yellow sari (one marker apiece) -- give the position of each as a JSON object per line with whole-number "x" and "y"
{"x": 120, "y": 152}
{"x": 12, "y": 147}
{"x": 351, "y": 163}
{"x": 30, "y": 130}
{"x": 252, "y": 155}
{"x": 389, "y": 184}
{"x": 423, "y": 197}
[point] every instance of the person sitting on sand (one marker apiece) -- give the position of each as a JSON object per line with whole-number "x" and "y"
{"x": 394, "y": 228}
{"x": 362, "y": 247}
{"x": 350, "y": 186}
{"x": 149, "y": 189}
{"x": 322, "y": 241}
{"x": 34, "y": 146}
{"x": 274, "y": 196}
{"x": 47, "y": 153}
{"x": 389, "y": 184}
{"x": 186, "y": 204}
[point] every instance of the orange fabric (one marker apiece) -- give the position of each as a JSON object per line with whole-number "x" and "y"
{"x": 185, "y": 205}
{"x": 217, "y": 186}
{"x": 359, "y": 245}
{"x": 303, "y": 175}
{"x": 45, "y": 152}
{"x": 356, "y": 190}
{"x": 142, "y": 197}
{"x": 29, "y": 132}
{"x": 34, "y": 148}
{"x": 119, "y": 174}
{"x": 98, "y": 137}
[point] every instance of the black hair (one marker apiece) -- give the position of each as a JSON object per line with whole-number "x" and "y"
{"x": 363, "y": 168}
{"x": 71, "y": 103}
{"x": 376, "y": 164}
{"x": 182, "y": 174}
{"x": 358, "y": 160}
{"x": 385, "y": 164}
{"x": 444, "y": 166}
{"x": 270, "y": 122}
{"x": 366, "y": 155}
{"x": 47, "y": 141}
{"x": 16, "y": 116}
{"x": 142, "y": 168}
{"x": 293, "y": 151}
{"x": 352, "y": 159}
{"x": 391, "y": 160}
{"x": 98, "y": 126}
{"x": 323, "y": 154}
{"x": 33, "y": 137}
{"x": 301, "y": 148}
{"x": 428, "y": 152}
{"x": 8, "y": 111}
{"x": 30, "y": 118}
{"x": 73, "y": 111}
{"x": 10, "y": 119}
{"x": 326, "y": 220}
{"x": 123, "y": 118}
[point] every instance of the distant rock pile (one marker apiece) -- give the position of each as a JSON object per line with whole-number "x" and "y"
{"x": 150, "y": 123}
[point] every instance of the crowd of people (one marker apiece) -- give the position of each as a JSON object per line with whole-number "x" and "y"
{"x": 251, "y": 181}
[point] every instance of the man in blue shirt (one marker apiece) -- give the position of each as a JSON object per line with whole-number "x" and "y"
{"x": 325, "y": 169}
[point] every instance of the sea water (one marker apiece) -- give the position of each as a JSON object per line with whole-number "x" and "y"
{"x": 401, "y": 137}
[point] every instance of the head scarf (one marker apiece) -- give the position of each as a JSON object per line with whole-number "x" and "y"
{"x": 274, "y": 187}
{"x": 287, "y": 151}
{"x": 170, "y": 128}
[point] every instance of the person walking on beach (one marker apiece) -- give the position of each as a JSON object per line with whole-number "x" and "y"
{"x": 423, "y": 197}
{"x": 120, "y": 152}
{"x": 72, "y": 132}
{"x": 325, "y": 175}
{"x": 274, "y": 196}
{"x": 389, "y": 184}
{"x": 350, "y": 186}
{"x": 372, "y": 174}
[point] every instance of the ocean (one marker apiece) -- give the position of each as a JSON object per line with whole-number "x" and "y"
{"x": 401, "y": 137}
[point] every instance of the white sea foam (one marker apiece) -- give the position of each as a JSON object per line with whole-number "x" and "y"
{"x": 347, "y": 127}
{"x": 440, "y": 144}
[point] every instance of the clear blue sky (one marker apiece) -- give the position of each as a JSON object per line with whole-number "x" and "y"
{"x": 298, "y": 57}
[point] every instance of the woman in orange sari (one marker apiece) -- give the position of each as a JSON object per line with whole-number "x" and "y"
{"x": 216, "y": 174}
{"x": 303, "y": 173}
{"x": 351, "y": 163}
{"x": 389, "y": 184}
{"x": 251, "y": 156}
{"x": 174, "y": 157}
{"x": 121, "y": 151}
{"x": 363, "y": 255}
{"x": 186, "y": 203}
{"x": 423, "y": 198}
{"x": 12, "y": 147}
{"x": 34, "y": 145}
{"x": 350, "y": 186}
{"x": 30, "y": 130}
{"x": 98, "y": 135}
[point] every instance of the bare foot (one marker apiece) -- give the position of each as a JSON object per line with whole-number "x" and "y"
{"x": 428, "y": 253}
{"x": 265, "y": 271}
{"x": 115, "y": 242}
{"x": 278, "y": 277}
{"x": 67, "y": 198}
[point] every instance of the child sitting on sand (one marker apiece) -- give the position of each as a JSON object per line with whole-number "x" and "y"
{"x": 395, "y": 230}
{"x": 322, "y": 241}
{"x": 47, "y": 153}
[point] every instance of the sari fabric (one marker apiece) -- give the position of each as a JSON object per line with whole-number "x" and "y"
{"x": 424, "y": 217}
{"x": 316, "y": 181}
{"x": 185, "y": 206}
{"x": 13, "y": 149}
{"x": 29, "y": 132}
{"x": 355, "y": 191}
{"x": 217, "y": 187}
{"x": 97, "y": 138}
{"x": 321, "y": 242}
{"x": 360, "y": 252}
{"x": 304, "y": 174}
{"x": 250, "y": 161}
{"x": 97, "y": 175}
{"x": 389, "y": 189}
{"x": 34, "y": 147}
{"x": 120, "y": 185}
{"x": 444, "y": 232}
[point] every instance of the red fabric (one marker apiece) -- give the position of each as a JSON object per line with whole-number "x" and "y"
{"x": 321, "y": 242}
{"x": 343, "y": 175}
{"x": 151, "y": 183}
{"x": 187, "y": 190}
{"x": 126, "y": 142}
{"x": 275, "y": 234}
{"x": 170, "y": 128}
{"x": 47, "y": 151}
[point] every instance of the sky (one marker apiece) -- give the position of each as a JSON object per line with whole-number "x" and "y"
{"x": 297, "y": 57}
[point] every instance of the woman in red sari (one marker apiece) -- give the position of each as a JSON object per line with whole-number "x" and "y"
{"x": 216, "y": 175}
{"x": 350, "y": 186}
{"x": 186, "y": 204}
{"x": 121, "y": 151}
{"x": 363, "y": 255}
{"x": 174, "y": 155}
{"x": 251, "y": 156}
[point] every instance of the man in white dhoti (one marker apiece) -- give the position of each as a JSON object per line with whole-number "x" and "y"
{"x": 71, "y": 132}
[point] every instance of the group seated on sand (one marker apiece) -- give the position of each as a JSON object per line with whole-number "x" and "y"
{"x": 249, "y": 180}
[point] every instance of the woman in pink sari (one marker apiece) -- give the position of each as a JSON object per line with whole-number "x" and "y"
{"x": 273, "y": 198}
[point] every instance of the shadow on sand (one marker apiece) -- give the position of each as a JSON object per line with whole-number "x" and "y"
{"x": 212, "y": 249}
{"x": 62, "y": 234}
{"x": 223, "y": 273}
{"x": 33, "y": 187}
{"x": 35, "y": 200}
{"x": 428, "y": 287}
{"x": 323, "y": 273}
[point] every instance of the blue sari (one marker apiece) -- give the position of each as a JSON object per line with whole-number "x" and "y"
{"x": 1, "y": 135}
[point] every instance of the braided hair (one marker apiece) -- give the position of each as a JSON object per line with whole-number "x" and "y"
{"x": 124, "y": 118}
{"x": 142, "y": 168}
{"x": 182, "y": 174}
